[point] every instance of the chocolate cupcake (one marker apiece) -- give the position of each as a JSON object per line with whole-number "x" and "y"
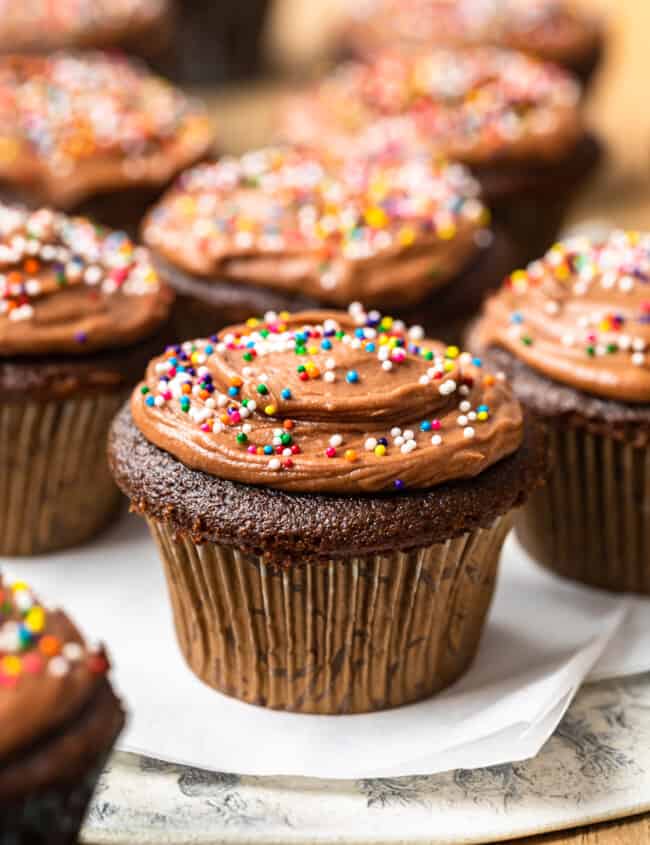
{"x": 551, "y": 30}
{"x": 81, "y": 311}
{"x": 572, "y": 334}
{"x": 140, "y": 27}
{"x": 329, "y": 494}
{"x": 93, "y": 134}
{"x": 284, "y": 229}
{"x": 59, "y": 716}
{"x": 219, "y": 42}
{"x": 513, "y": 120}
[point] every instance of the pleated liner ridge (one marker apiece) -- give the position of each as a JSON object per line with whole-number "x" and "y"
{"x": 55, "y": 487}
{"x": 344, "y": 636}
{"x": 591, "y": 522}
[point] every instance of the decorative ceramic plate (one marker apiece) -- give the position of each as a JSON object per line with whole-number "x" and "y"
{"x": 595, "y": 767}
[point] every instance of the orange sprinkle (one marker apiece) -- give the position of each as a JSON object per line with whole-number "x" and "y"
{"x": 49, "y": 646}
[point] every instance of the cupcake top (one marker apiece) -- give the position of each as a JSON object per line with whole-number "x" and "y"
{"x": 68, "y": 286}
{"x": 41, "y": 25}
{"x": 580, "y": 316}
{"x": 75, "y": 124}
{"x": 327, "y": 402}
{"x": 554, "y": 30}
{"x": 385, "y": 230}
{"x": 47, "y": 670}
{"x": 473, "y": 105}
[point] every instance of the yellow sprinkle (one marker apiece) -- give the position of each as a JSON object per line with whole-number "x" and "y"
{"x": 35, "y": 620}
{"x": 562, "y": 271}
{"x": 482, "y": 415}
{"x": 380, "y": 450}
{"x": 11, "y": 665}
{"x": 313, "y": 350}
{"x": 448, "y": 366}
{"x": 19, "y": 586}
{"x": 406, "y": 235}
{"x": 452, "y": 352}
{"x": 387, "y": 322}
{"x": 447, "y": 232}
{"x": 376, "y": 217}
{"x": 270, "y": 410}
{"x": 252, "y": 322}
{"x": 351, "y": 455}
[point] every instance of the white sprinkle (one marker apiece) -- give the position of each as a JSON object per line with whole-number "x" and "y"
{"x": 336, "y": 440}
{"x": 638, "y": 359}
{"x": 471, "y": 416}
{"x": 436, "y": 440}
{"x": 58, "y": 667}
{"x": 252, "y": 405}
{"x": 387, "y": 366}
{"x": 399, "y": 440}
{"x": 447, "y": 387}
{"x": 72, "y": 652}
{"x": 408, "y": 447}
{"x": 638, "y": 344}
{"x": 416, "y": 333}
{"x": 330, "y": 363}
{"x": 568, "y": 339}
{"x": 462, "y": 420}
{"x": 464, "y": 406}
{"x": 329, "y": 376}
{"x": 275, "y": 463}
{"x": 408, "y": 434}
{"x": 247, "y": 428}
{"x": 469, "y": 432}
{"x": 370, "y": 444}
{"x": 626, "y": 284}
{"x": 395, "y": 432}
{"x": 463, "y": 390}
{"x": 424, "y": 379}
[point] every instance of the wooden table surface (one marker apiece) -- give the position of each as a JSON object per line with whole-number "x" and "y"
{"x": 618, "y": 108}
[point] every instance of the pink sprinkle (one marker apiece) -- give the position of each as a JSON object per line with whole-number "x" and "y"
{"x": 330, "y": 452}
{"x": 435, "y": 425}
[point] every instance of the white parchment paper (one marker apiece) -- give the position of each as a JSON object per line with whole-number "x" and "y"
{"x": 543, "y": 638}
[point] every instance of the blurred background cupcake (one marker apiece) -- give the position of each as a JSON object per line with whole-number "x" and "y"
{"x": 311, "y": 477}
{"x": 514, "y": 121}
{"x": 283, "y": 229}
{"x": 572, "y": 333}
{"x": 552, "y": 30}
{"x": 94, "y": 134}
{"x": 140, "y": 27}
{"x": 81, "y": 311}
{"x": 60, "y": 719}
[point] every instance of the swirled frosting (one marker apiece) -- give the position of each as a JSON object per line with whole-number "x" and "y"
{"x": 384, "y": 230}
{"x": 69, "y": 286}
{"x": 327, "y": 402}
{"x": 74, "y": 124}
{"x": 472, "y": 105}
{"x": 580, "y": 315}
{"x": 554, "y": 30}
{"x": 42, "y": 25}
{"x": 47, "y": 670}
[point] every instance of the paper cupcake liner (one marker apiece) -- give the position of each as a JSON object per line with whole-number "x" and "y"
{"x": 592, "y": 520}
{"x": 53, "y": 815}
{"x": 55, "y": 486}
{"x": 344, "y": 636}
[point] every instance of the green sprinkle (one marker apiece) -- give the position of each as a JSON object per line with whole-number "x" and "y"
{"x": 262, "y": 389}
{"x": 242, "y": 437}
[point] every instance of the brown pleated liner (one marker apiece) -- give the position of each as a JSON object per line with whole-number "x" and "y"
{"x": 591, "y": 522}
{"x": 55, "y": 487}
{"x": 344, "y": 636}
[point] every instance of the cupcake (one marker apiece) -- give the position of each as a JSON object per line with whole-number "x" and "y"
{"x": 284, "y": 229}
{"x": 81, "y": 311}
{"x": 572, "y": 334}
{"x": 219, "y": 41}
{"x": 141, "y": 27}
{"x": 93, "y": 134}
{"x": 60, "y": 719}
{"x": 329, "y": 494}
{"x": 513, "y": 120}
{"x": 551, "y": 30}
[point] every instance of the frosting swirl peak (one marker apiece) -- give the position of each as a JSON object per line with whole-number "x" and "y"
{"x": 580, "y": 315}
{"x": 327, "y": 402}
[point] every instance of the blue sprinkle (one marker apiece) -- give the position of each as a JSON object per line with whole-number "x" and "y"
{"x": 268, "y": 450}
{"x": 326, "y": 345}
{"x": 516, "y": 317}
{"x": 425, "y": 426}
{"x": 209, "y": 349}
{"x": 150, "y": 401}
{"x": 286, "y": 393}
{"x": 370, "y": 347}
{"x": 477, "y": 362}
{"x": 233, "y": 391}
{"x": 382, "y": 441}
{"x": 359, "y": 333}
{"x": 352, "y": 376}
{"x": 398, "y": 484}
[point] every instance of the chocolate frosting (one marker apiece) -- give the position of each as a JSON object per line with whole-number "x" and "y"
{"x": 384, "y": 230}
{"x": 42, "y": 26}
{"x": 76, "y": 124}
{"x": 327, "y": 402}
{"x": 473, "y": 105}
{"x": 47, "y": 670}
{"x": 580, "y": 315}
{"x": 70, "y": 287}
{"x": 551, "y": 29}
